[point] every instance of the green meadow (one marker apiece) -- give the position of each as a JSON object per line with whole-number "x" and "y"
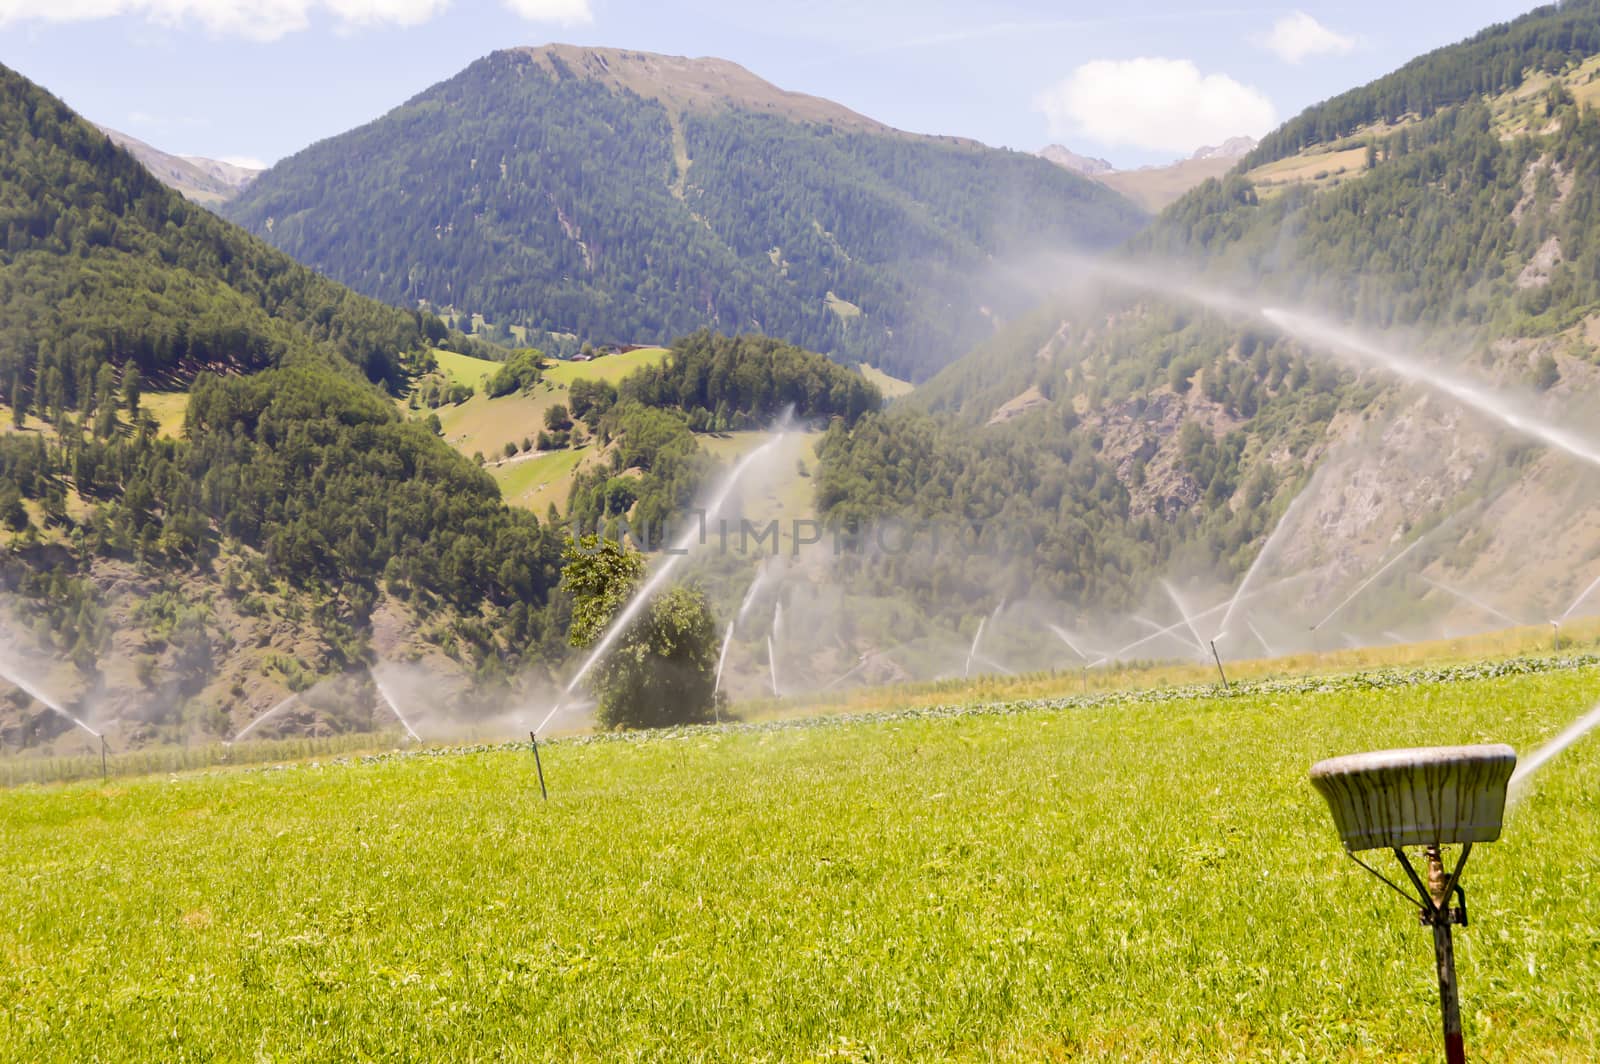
{"x": 1137, "y": 876}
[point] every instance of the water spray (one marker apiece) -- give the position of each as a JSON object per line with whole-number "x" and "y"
{"x": 647, "y": 591}
{"x": 49, "y": 703}
{"x": 1583, "y": 595}
{"x": 722, "y": 657}
{"x": 1183, "y": 611}
{"x": 1431, "y": 797}
{"x": 772, "y": 667}
{"x": 1471, "y": 600}
{"x": 274, "y": 711}
{"x": 1260, "y": 639}
{"x": 394, "y": 707}
{"x": 1369, "y": 581}
{"x": 1283, "y": 525}
{"x": 972, "y": 651}
{"x": 1540, "y": 757}
{"x": 1468, "y": 393}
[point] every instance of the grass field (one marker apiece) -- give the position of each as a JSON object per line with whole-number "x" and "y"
{"x": 169, "y": 409}
{"x": 535, "y": 483}
{"x": 891, "y": 387}
{"x": 484, "y": 426}
{"x": 611, "y": 368}
{"x": 1135, "y": 878}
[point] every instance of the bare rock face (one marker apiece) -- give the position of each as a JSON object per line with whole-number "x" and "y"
{"x": 1232, "y": 148}
{"x": 1543, "y": 264}
{"x": 1078, "y": 164}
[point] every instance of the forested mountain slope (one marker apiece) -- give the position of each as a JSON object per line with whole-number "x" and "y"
{"x": 622, "y": 196}
{"x": 1139, "y": 434}
{"x": 298, "y": 527}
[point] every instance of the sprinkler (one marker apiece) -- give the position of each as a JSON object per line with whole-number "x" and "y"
{"x": 1430, "y": 797}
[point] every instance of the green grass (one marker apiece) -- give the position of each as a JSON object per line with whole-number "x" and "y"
{"x": 1140, "y": 878}
{"x": 891, "y": 387}
{"x": 535, "y": 483}
{"x": 464, "y": 369}
{"x": 610, "y": 368}
{"x": 484, "y": 426}
{"x": 169, "y": 409}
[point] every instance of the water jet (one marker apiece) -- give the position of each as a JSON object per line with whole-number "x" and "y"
{"x": 680, "y": 550}
{"x": 388, "y": 700}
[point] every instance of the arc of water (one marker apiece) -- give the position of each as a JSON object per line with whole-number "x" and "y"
{"x": 1467, "y": 393}
{"x": 722, "y": 657}
{"x": 1470, "y": 600}
{"x": 274, "y": 711}
{"x": 772, "y": 667}
{"x": 973, "y": 650}
{"x": 1183, "y": 611}
{"x": 993, "y": 664}
{"x": 1369, "y": 581}
{"x": 1284, "y": 523}
{"x": 647, "y": 591}
{"x": 1527, "y": 766}
{"x": 1359, "y": 349}
{"x": 1172, "y": 628}
{"x": 1062, "y": 635}
{"x": 851, "y": 671}
{"x": 1579, "y": 599}
{"x": 45, "y": 700}
{"x": 755, "y": 589}
{"x": 394, "y": 707}
{"x": 1260, "y": 639}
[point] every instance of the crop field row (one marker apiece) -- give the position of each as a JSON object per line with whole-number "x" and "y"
{"x": 1141, "y": 877}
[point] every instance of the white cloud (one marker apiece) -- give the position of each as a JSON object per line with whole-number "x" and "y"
{"x": 1156, "y": 104}
{"x": 1297, "y": 35}
{"x": 264, "y": 20}
{"x": 551, "y": 10}
{"x": 249, "y": 162}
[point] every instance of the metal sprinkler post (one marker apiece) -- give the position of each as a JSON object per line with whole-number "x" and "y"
{"x": 1430, "y": 797}
{"x": 1226, "y": 686}
{"x": 538, "y": 765}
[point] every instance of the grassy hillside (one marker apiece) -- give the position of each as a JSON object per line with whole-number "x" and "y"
{"x": 739, "y": 207}
{"x": 1140, "y": 878}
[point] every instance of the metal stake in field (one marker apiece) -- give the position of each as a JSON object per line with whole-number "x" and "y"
{"x": 1226, "y": 686}
{"x": 1433, "y": 797}
{"x": 538, "y": 765}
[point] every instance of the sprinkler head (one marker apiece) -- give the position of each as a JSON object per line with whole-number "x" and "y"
{"x": 1427, "y": 796}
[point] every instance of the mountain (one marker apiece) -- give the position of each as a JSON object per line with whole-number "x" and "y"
{"x": 1079, "y": 164}
{"x": 1135, "y": 430}
{"x": 619, "y": 196}
{"x": 1232, "y": 148}
{"x": 209, "y": 498}
{"x": 1154, "y": 187}
{"x": 207, "y": 181}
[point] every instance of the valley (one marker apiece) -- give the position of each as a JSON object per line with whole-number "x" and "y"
{"x": 599, "y": 556}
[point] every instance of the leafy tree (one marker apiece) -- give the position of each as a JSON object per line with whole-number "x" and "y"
{"x": 1546, "y": 373}
{"x": 660, "y": 672}
{"x": 521, "y": 372}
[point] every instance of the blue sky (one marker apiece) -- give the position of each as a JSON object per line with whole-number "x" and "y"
{"x": 1136, "y": 81}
